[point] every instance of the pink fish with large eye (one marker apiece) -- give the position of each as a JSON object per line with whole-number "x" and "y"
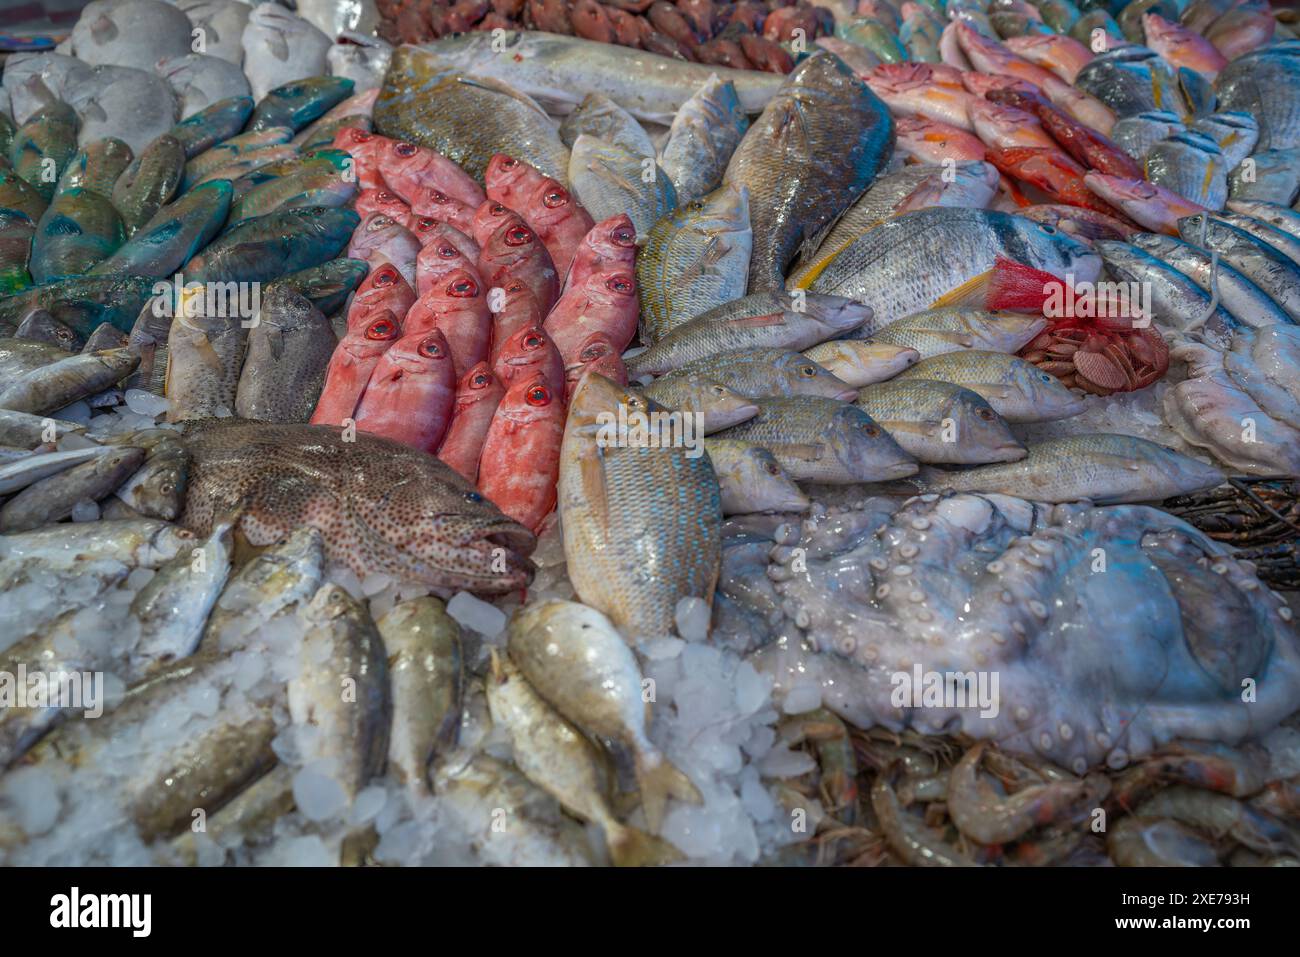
{"x": 513, "y": 308}
{"x": 430, "y": 203}
{"x": 520, "y": 463}
{"x": 527, "y": 352}
{"x": 515, "y": 251}
{"x": 456, "y": 305}
{"x": 364, "y": 148}
{"x": 382, "y": 239}
{"x": 410, "y": 393}
{"x": 1063, "y": 55}
{"x": 510, "y": 181}
{"x": 596, "y": 354}
{"x": 559, "y": 219}
{"x": 607, "y": 302}
{"x": 1180, "y": 46}
{"x": 351, "y": 364}
{"x": 446, "y": 249}
{"x": 478, "y": 394}
{"x": 383, "y": 290}
{"x": 408, "y": 168}
{"x": 488, "y": 218}
{"x": 918, "y": 89}
{"x": 382, "y": 201}
{"x": 932, "y": 142}
{"x": 610, "y": 243}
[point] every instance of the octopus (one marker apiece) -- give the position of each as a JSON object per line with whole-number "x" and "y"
{"x": 1103, "y": 633}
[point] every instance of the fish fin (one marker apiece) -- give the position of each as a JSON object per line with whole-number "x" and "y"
{"x": 629, "y": 847}
{"x": 103, "y": 29}
{"x": 593, "y": 483}
{"x": 275, "y": 340}
{"x": 771, "y": 319}
{"x": 658, "y": 782}
{"x": 278, "y": 45}
{"x": 496, "y": 86}
{"x": 970, "y": 294}
{"x": 1019, "y": 288}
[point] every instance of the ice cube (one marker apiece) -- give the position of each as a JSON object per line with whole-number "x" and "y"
{"x": 692, "y": 617}
{"x": 802, "y": 698}
{"x": 318, "y": 795}
{"x": 476, "y": 614}
{"x": 146, "y": 403}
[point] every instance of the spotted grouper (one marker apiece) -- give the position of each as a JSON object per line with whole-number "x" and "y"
{"x": 383, "y": 508}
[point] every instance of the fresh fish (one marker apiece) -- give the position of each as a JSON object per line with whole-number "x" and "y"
{"x": 919, "y": 34}
{"x": 1107, "y": 469}
{"x": 44, "y": 146}
{"x": 364, "y": 63}
{"x": 289, "y": 349}
{"x": 204, "y": 357}
{"x": 53, "y": 498}
{"x": 298, "y": 103}
{"x": 520, "y": 460}
{"x": 560, "y": 219}
{"x": 328, "y": 285}
{"x": 384, "y": 508}
{"x": 751, "y": 479}
{"x": 714, "y": 405}
{"x": 39, "y": 326}
{"x": 20, "y": 196}
{"x": 321, "y": 184}
{"x": 871, "y": 34}
{"x": 1147, "y": 204}
{"x": 1241, "y": 30}
{"x": 527, "y": 352}
{"x": 858, "y": 362}
{"x": 1263, "y": 86}
{"x": 559, "y": 71}
{"x": 149, "y": 182}
{"x": 1132, "y": 80}
{"x": 200, "y": 81}
{"x": 797, "y": 167}
{"x": 130, "y": 33}
{"x": 938, "y": 422}
{"x": 641, "y": 519}
{"x": 693, "y": 260}
{"x": 97, "y": 166}
{"x": 908, "y": 263}
{"x": 1279, "y": 239}
{"x": 79, "y": 229}
{"x": 104, "y": 337}
{"x": 1274, "y": 214}
{"x": 456, "y": 306}
{"x": 34, "y": 80}
{"x": 157, "y": 489}
{"x": 16, "y": 232}
{"x": 423, "y": 648}
{"x": 478, "y": 394}
{"x": 1235, "y": 133}
{"x": 555, "y": 756}
{"x": 25, "y": 471}
{"x": 1182, "y": 47}
{"x": 354, "y": 112}
{"x": 1085, "y": 225}
{"x": 1244, "y": 300}
{"x": 350, "y": 367}
{"x": 1058, "y": 52}
{"x": 280, "y": 48}
{"x": 1263, "y": 362}
{"x": 247, "y": 167}
{"x": 1191, "y": 165}
{"x": 824, "y": 440}
{"x": 600, "y": 117}
{"x": 1273, "y": 272}
{"x": 407, "y": 168}
{"x": 19, "y": 356}
{"x": 610, "y": 179}
{"x": 475, "y": 117}
{"x": 212, "y": 160}
{"x": 1272, "y": 176}
{"x": 82, "y": 302}
{"x": 768, "y": 372}
{"x": 221, "y": 23}
{"x": 381, "y": 239}
{"x": 761, "y": 320}
{"x": 939, "y": 331}
{"x": 51, "y": 387}
{"x": 135, "y": 105}
{"x": 271, "y": 246}
{"x": 1138, "y": 133}
{"x": 1017, "y": 390}
{"x": 172, "y": 235}
{"x": 1177, "y": 302}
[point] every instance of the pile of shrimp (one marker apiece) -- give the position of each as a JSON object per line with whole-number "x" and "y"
{"x": 877, "y": 798}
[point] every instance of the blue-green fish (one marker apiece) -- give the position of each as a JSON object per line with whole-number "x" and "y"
{"x": 97, "y": 166}
{"x": 16, "y": 231}
{"x": 329, "y": 284}
{"x": 79, "y": 229}
{"x": 298, "y": 104}
{"x": 174, "y": 234}
{"x": 149, "y": 182}
{"x": 82, "y": 302}
{"x": 213, "y": 124}
{"x": 44, "y": 145}
{"x": 268, "y": 247}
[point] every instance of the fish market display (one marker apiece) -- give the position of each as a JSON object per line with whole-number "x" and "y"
{"x": 667, "y": 420}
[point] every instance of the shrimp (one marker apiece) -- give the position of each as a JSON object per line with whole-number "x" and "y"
{"x": 1141, "y": 842}
{"x": 829, "y": 738}
{"x": 1221, "y": 816}
{"x": 1238, "y": 772}
{"x": 905, "y": 835}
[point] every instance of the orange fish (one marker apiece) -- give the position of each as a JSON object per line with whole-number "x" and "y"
{"x": 527, "y": 353}
{"x": 351, "y": 364}
{"x": 520, "y": 463}
{"x": 478, "y": 394}
{"x": 410, "y": 393}
{"x": 456, "y": 305}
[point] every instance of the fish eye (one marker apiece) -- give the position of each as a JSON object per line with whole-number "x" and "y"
{"x": 496, "y": 209}
{"x": 405, "y": 149}
{"x": 717, "y": 390}
{"x": 1045, "y": 377}
{"x": 534, "y": 341}
{"x": 429, "y": 349}
{"x": 870, "y": 429}
{"x": 438, "y": 196}
{"x": 555, "y": 198}
{"x": 474, "y": 497}
{"x": 463, "y": 288}
{"x": 447, "y": 252}
{"x": 771, "y": 468}
{"x": 385, "y": 196}
{"x": 167, "y": 488}
{"x": 986, "y": 415}
{"x": 480, "y": 381}
{"x": 519, "y": 236}
{"x": 624, "y": 236}
{"x": 538, "y": 395}
{"x": 620, "y": 284}
{"x": 424, "y": 224}
{"x": 361, "y": 135}
{"x": 386, "y": 276}
{"x": 807, "y": 371}
{"x": 381, "y": 329}
{"x": 509, "y": 163}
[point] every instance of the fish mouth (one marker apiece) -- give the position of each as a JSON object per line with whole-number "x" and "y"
{"x": 1010, "y": 452}
{"x": 846, "y": 395}
{"x": 508, "y": 535}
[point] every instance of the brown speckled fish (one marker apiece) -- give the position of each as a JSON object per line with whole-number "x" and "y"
{"x": 382, "y": 507}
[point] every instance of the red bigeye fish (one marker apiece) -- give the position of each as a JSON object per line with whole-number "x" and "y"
{"x": 559, "y": 219}
{"x": 364, "y": 148}
{"x": 380, "y": 239}
{"x": 382, "y": 201}
{"x": 607, "y": 302}
{"x": 383, "y": 290}
{"x": 931, "y": 142}
{"x": 515, "y": 251}
{"x": 434, "y": 204}
{"x": 478, "y": 394}
{"x": 509, "y": 181}
{"x": 1063, "y": 55}
{"x": 407, "y": 168}
{"x": 526, "y": 353}
{"x": 457, "y": 305}
{"x": 410, "y": 393}
{"x": 610, "y": 243}
{"x": 446, "y": 249}
{"x": 597, "y": 354}
{"x": 520, "y": 463}
{"x": 488, "y": 218}
{"x": 513, "y": 308}
{"x": 914, "y": 89}
{"x": 1083, "y": 143}
{"x": 1147, "y": 204}
{"x": 1051, "y": 171}
{"x": 351, "y": 364}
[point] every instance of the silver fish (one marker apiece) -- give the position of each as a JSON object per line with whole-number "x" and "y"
{"x": 609, "y": 179}
{"x": 704, "y": 135}
{"x": 602, "y": 118}
{"x": 280, "y": 48}
{"x": 751, "y": 479}
{"x": 1017, "y": 390}
{"x": 938, "y": 422}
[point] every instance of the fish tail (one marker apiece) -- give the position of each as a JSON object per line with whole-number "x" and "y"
{"x": 658, "y": 780}
{"x": 630, "y": 847}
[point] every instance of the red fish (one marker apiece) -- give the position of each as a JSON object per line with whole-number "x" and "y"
{"x": 428, "y": 202}
{"x": 515, "y": 251}
{"x": 407, "y": 168}
{"x": 409, "y": 396}
{"x": 457, "y": 305}
{"x": 610, "y": 243}
{"x": 382, "y": 201}
{"x": 446, "y": 249}
{"x": 520, "y": 463}
{"x": 932, "y": 142}
{"x": 383, "y": 290}
{"x": 382, "y": 239}
{"x": 488, "y": 218}
{"x": 1051, "y": 171}
{"x": 1085, "y": 144}
{"x": 981, "y": 84}
{"x": 527, "y": 352}
{"x": 351, "y": 364}
{"x": 364, "y": 148}
{"x": 478, "y": 394}
{"x": 513, "y": 308}
{"x": 597, "y": 354}
{"x": 607, "y": 302}
{"x": 510, "y": 181}
{"x": 559, "y": 219}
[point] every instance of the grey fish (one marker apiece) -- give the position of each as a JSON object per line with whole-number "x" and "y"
{"x": 148, "y": 339}
{"x": 1235, "y": 132}
{"x": 1244, "y": 300}
{"x": 1191, "y": 165}
{"x": 53, "y": 499}
{"x": 1282, "y": 217}
{"x": 704, "y": 136}
{"x": 427, "y": 101}
{"x": 201, "y": 81}
{"x": 1131, "y": 80}
{"x": 149, "y": 182}
{"x": 716, "y": 406}
{"x": 280, "y": 48}
{"x": 936, "y": 331}
{"x": 34, "y": 80}
{"x": 130, "y": 32}
{"x": 693, "y": 260}
{"x": 134, "y": 105}
{"x": 824, "y": 440}
{"x": 33, "y": 468}
{"x": 19, "y": 356}
{"x": 751, "y": 479}
{"x": 221, "y": 24}
{"x": 609, "y": 179}
{"x": 25, "y": 430}
{"x": 204, "y": 358}
{"x": 1264, "y": 86}
{"x": 1107, "y": 469}
{"x": 173, "y": 234}
{"x": 1017, "y": 390}
{"x": 801, "y": 169}
{"x": 1136, "y": 134}
{"x": 1259, "y": 262}
{"x": 559, "y": 71}
{"x": 599, "y": 116}
{"x": 140, "y": 544}
{"x": 768, "y": 372}
{"x": 859, "y": 362}
{"x": 97, "y": 166}
{"x": 105, "y": 336}
{"x": 1272, "y": 177}
{"x": 39, "y": 326}
{"x": 364, "y": 63}
{"x": 940, "y": 422}
{"x": 1177, "y": 302}
{"x": 761, "y": 320}
{"x": 329, "y": 284}
{"x": 213, "y": 124}
{"x": 61, "y": 383}
{"x": 1279, "y": 239}
{"x": 289, "y": 349}
{"x": 44, "y": 146}
{"x": 157, "y": 489}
